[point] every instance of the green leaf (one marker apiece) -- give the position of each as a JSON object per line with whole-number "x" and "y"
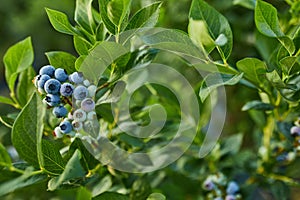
{"x": 18, "y": 58}
{"x": 88, "y": 161}
{"x": 20, "y": 182}
{"x": 83, "y": 193}
{"x": 199, "y": 34}
{"x": 104, "y": 15}
{"x": 73, "y": 170}
{"x": 145, "y": 17}
{"x": 60, "y": 22}
{"x": 267, "y": 23}
{"x": 216, "y": 23}
{"x": 27, "y": 130}
{"x": 7, "y": 121}
{"x": 257, "y": 105}
{"x": 254, "y": 70}
{"x": 290, "y": 65}
{"x": 156, "y": 196}
{"x": 81, "y": 45}
{"x": 102, "y": 186}
{"x": 232, "y": 144}
{"x": 250, "y": 4}
{"x": 84, "y": 16}
{"x": 61, "y": 59}
{"x": 4, "y": 157}
{"x": 100, "y": 58}
{"x": 25, "y": 87}
{"x": 6, "y": 100}
{"x": 53, "y": 162}
{"x": 214, "y": 80}
{"x": 117, "y": 10}
{"x": 111, "y": 196}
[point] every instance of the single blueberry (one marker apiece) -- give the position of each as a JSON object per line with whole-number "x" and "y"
{"x": 47, "y": 69}
{"x": 65, "y": 126}
{"x": 61, "y": 75}
{"x": 42, "y": 80}
{"x": 79, "y": 115}
{"x": 60, "y": 111}
{"x": 52, "y": 100}
{"x": 52, "y": 86}
{"x": 208, "y": 185}
{"x": 232, "y": 187}
{"x": 80, "y": 92}
{"x": 88, "y": 105}
{"x": 76, "y": 77}
{"x": 295, "y": 131}
{"x": 66, "y": 89}
{"x": 77, "y": 126}
{"x": 92, "y": 90}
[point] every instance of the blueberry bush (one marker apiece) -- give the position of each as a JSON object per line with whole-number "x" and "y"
{"x": 138, "y": 110}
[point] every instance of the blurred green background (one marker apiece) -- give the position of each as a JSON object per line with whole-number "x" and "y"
{"x": 22, "y": 18}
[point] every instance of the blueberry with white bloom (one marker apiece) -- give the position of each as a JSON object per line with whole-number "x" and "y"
{"x": 76, "y": 77}
{"x": 52, "y": 100}
{"x": 42, "y": 80}
{"x": 36, "y": 79}
{"x": 79, "y": 115}
{"x": 52, "y": 86}
{"x": 47, "y": 69}
{"x": 77, "y": 126}
{"x": 88, "y": 105}
{"x": 92, "y": 90}
{"x": 65, "y": 126}
{"x": 208, "y": 184}
{"x": 80, "y": 92}
{"x": 60, "y": 111}
{"x": 66, "y": 89}
{"x": 61, "y": 74}
{"x": 232, "y": 187}
{"x": 295, "y": 131}
{"x": 86, "y": 83}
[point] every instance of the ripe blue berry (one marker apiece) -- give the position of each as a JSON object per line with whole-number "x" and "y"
{"x": 52, "y": 86}
{"x": 66, "y": 89}
{"x": 65, "y": 127}
{"x": 77, "y": 126}
{"x": 47, "y": 69}
{"x": 232, "y": 187}
{"x": 79, "y": 115}
{"x": 52, "y": 100}
{"x": 61, "y": 75}
{"x": 80, "y": 92}
{"x": 60, "y": 111}
{"x": 76, "y": 77}
{"x": 295, "y": 131}
{"x": 42, "y": 80}
{"x": 88, "y": 105}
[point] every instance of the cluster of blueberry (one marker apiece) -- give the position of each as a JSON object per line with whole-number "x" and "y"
{"x": 59, "y": 88}
{"x": 219, "y": 188}
{"x": 287, "y": 157}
